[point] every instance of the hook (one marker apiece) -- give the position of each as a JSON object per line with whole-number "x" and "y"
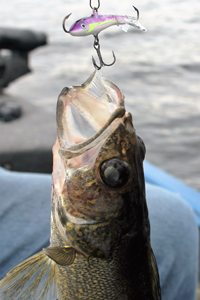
{"x": 95, "y": 9}
{"x": 97, "y": 48}
{"x": 138, "y": 14}
{"x": 64, "y": 23}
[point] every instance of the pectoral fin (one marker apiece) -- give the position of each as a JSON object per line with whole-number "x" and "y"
{"x": 33, "y": 279}
{"x": 61, "y": 255}
{"x": 124, "y": 27}
{"x": 155, "y": 284}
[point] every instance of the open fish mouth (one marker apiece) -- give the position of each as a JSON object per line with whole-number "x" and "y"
{"x": 84, "y": 114}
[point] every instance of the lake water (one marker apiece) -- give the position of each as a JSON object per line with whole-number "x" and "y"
{"x": 158, "y": 71}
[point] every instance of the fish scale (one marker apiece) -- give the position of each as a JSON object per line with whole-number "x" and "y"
{"x": 94, "y": 277}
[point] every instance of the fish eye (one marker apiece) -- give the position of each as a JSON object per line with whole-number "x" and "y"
{"x": 115, "y": 172}
{"x": 83, "y": 25}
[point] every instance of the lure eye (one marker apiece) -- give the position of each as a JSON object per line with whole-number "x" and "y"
{"x": 115, "y": 172}
{"x": 83, "y": 25}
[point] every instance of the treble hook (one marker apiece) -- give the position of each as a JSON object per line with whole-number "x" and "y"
{"x": 97, "y": 48}
{"x": 138, "y": 14}
{"x": 64, "y": 23}
{"x": 95, "y": 9}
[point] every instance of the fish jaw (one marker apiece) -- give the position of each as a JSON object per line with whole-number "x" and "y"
{"x": 84, "y": 115}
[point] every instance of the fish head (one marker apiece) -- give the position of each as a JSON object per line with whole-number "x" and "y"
{"x": 80, "y": 27}
{"x": 98, "y": 181}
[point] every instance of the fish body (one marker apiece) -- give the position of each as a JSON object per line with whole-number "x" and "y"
{"x": 96, "y": 23}
{"x": 100, "y": 232}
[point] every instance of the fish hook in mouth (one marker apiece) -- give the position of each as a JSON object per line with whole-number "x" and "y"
{"x": 64, "y": 28}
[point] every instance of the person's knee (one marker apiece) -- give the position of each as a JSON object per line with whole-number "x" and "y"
{"x": 174, "y": 238}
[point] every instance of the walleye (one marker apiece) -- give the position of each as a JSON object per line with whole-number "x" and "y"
{"x": 100, "y": 232}
{"x": 96, "y": 23}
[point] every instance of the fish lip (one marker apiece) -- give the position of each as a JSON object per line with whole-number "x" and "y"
{"x": 80, "y": 221}
{"x": 75, "y": 220}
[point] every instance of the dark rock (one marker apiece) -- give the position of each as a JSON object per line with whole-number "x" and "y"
{"x": 20, "y": 42}
{"x": 9, "y": 111}
{"x": 26, "y": 143}
{"x": 21, "y": 39}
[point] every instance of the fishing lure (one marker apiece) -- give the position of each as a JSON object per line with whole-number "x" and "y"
{"x": 96, "y": 23}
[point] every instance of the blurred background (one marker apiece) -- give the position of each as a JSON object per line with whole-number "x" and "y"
{"x": 158, "y": 71}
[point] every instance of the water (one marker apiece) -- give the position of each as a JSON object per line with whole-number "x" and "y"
{"x": 158, "y": 71}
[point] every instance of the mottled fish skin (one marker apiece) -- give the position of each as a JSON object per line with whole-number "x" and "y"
{"x": 100, "y": 231}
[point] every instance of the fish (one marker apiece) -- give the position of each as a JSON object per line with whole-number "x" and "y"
{"x": 100, "y": 244}
{"x": 96, "y": 23}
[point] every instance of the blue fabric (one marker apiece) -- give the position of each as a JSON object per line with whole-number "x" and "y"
{"x": 25, "y": 229}
{"x": 24, "y": 216}
{"x": 158, "y": 177}
{"x": 174, "y": 239}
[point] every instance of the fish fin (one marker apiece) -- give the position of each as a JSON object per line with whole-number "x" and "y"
{"x": 135, "y": 23}
{"x": 95, "y": 86}
{"x": 61, "y": 255}
{"x": 33, "y": 279}
{"x": 125, "y": 27}
{"x": 155, "y": 276}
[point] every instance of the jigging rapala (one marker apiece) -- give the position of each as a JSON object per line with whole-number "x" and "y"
{"x": 94, "y": 24}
